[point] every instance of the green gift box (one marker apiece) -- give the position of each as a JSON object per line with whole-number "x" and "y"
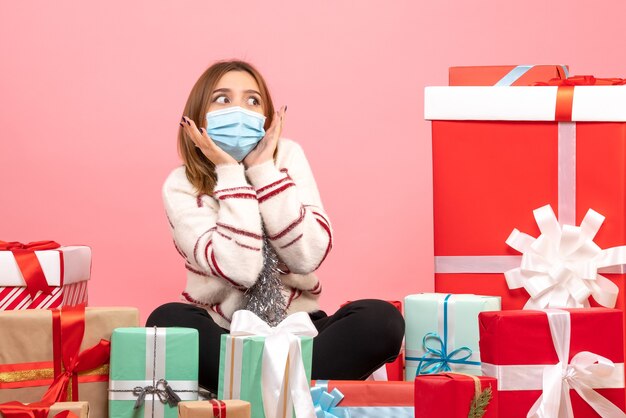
{"x": 150, "y": 369}
{"x": 241, "y": 367}
{"x": 442, "y": 332}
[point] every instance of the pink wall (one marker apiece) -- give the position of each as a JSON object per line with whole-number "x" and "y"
{"x": 91, "y": 94}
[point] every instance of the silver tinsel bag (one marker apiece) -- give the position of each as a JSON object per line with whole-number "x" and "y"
{"x": 265, "y": 298}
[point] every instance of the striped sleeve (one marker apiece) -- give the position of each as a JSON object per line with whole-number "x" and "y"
{"x": 291, "y": 208}
{"x": 218, "y": 236}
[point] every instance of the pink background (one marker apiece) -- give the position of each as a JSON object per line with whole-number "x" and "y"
{"x": 91, "y": 94}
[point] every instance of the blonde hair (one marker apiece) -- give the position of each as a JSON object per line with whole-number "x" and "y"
{"x": 199, "y": 169}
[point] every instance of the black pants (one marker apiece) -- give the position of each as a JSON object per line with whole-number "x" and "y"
{"x": 358, "y": 339}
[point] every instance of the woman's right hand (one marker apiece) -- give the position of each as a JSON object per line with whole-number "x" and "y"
{"x": 202, "y": 140}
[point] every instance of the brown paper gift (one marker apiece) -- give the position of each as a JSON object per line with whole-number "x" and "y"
{"x": 81, "y": 409}
{"x": 214, "y": 409}
{"x": 27, "y": 361}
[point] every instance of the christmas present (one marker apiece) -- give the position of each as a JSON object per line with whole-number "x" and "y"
{"x": 499, "y": 153}
{"x": 58, "y": 355}
{"x": 268, "y": 367}
{"x": 442, "y": 332}
{"x": 152, "y": 369}
{"x": 43, "y": 275}
{"x": 39, "y": 410}
{"x": 214, "y": 408}
{"x": 363, "y": 399}
{"x": 394, "y": 370}
{"x": 504, "y": 75}
{"x": 456, "y": 395}
{"x": 555, "y": 363}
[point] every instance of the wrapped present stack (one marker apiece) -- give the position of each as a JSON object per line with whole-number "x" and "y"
{"x": 528, "y": 164}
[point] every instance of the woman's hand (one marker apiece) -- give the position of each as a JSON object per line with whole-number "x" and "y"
{"x": 264, "y": 150}
{"x": 202, "y": 140}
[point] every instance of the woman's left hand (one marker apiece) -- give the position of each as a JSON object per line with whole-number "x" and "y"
{"x": 264, "y": 151}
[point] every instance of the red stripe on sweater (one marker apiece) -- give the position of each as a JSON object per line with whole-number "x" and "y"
{"x": 221, "y": 274}
{"x": 247, "y": 246}
{"x": 206, "y": 256}
{"x": 317, "y": 289}
{"x": 292, "y": 242}
{"x": 197, "y": 244}
{"x": 291, "y": 296}
{"x": 290, "y": 227}
{"x": 233, "y": 189}
{"x": 182, "y": 254}
{"x": 224, "y": 235}
{"x": 199, "y": 200}
{"x": 322, "y": 217}
{"x": 274, "y": 184}
{"x": 240, "y": 231}
{"x": 275, "y": 192}
{"x": 238, "y": 196}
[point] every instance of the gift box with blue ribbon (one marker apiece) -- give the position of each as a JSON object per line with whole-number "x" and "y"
{"x": 362, "y": 399}
{"x": 442, "y": 332}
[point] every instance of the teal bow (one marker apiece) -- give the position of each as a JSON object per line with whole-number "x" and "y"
{"x": 437, "y": 360}
{"x": 326, "y": 403}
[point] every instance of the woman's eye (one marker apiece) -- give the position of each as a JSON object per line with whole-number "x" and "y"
{"x": 253, "y": 101}
{"x": 221, "y": 100}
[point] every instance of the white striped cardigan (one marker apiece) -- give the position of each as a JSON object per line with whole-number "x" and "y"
{"x": 220, "y": 239}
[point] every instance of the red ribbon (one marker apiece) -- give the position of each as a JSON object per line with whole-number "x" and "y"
{"x": 33, "y": 410}
{"x": 565, "y": 92}
{"x": 29, "y": 264}
{"x": 68, "y": 329}
{"x": 219, "y": 408}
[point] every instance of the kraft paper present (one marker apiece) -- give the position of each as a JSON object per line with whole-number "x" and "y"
{"x": 233, "y": 408}
{"x": 80, "y": 409}
{"x": 27, "y": 363}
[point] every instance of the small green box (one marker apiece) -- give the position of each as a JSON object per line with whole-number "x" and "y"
{"x": 140, "y": 359}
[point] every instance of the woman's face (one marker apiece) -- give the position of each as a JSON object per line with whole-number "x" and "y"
{"x": 237, "y": 88}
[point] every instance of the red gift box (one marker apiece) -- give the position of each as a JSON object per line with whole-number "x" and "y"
{"x": 451, "y": 395}
{"x": 366, "y": 398}
{"x": 518, "y": 346}
{"x": 510, "y": 75}
{"x": 499, "y": 153}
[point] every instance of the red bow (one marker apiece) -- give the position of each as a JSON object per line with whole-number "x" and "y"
{"x": 565, "y": 93}
{"x": 68, "y": 328}
{"x": 29, "y": 264}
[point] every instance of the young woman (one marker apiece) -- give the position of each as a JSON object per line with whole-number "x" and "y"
{"x": 245, "y": 206}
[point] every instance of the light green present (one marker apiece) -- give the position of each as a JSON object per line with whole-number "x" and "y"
{"x": 442, "y": 332}
{"x": 150, "y": 369}
{"x": 241, "y": 371}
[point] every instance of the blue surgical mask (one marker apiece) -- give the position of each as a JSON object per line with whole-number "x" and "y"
{"x": 235, "y": 130}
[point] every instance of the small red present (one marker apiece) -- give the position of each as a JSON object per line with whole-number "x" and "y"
{"x": 456, "y": 395}
{"x": 504, "y": 75}
{"x": 563, "y": 362}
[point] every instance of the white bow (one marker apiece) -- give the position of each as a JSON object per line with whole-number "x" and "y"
{"x": 581, "y": 374}
{"x": 560, "y": 268}
{"x": 282, "y": 357}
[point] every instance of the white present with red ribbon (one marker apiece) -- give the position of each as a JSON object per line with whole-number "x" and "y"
{"x": 43, "y": 275}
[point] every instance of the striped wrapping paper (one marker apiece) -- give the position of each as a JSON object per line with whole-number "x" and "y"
{"x": 67, "y": 269}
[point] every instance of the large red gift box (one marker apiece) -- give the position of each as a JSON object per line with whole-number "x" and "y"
{"x": 501, "y": 152}
{"x": 509, "y": 75}
{"x": 517, "y": 346}
{"x": 451, "y": 395}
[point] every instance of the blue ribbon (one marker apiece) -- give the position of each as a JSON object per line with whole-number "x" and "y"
{"x": 438, "y": 360}
{"x": 325, "y": 403}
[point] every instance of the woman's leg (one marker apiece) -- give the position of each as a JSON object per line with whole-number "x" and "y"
{"x": 190, "y": 316}
{"x": 355, "y": 341}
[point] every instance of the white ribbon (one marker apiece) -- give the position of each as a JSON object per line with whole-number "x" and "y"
{"x": 579, "y": 375}
{"x": 560, "y": 268}
{"x": 281, "y": 354}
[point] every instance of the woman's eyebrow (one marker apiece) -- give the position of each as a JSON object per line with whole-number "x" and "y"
{"x": 222, "y": 90}
{"x": 252, "y": 91}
